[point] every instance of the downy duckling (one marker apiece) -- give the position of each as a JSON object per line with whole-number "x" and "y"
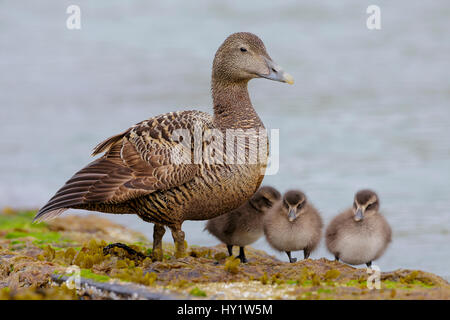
{"x": 293, "y": 224}
{"x": 244, "y": 225}
{"x": 360, "y": 234}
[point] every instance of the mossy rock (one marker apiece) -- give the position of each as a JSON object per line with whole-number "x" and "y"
{"x": 31, "y": 254}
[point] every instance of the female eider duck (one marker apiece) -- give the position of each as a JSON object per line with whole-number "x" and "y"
{"x": 360, "y": 234}
{"x": 293, "y": 224}
{"x": 138, "y": 173}
{"x": 244, "y": 226}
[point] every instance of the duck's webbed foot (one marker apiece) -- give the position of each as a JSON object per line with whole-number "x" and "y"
{"x": 291, "y": 260}
{"x": 133, "y": 253}
{"x": 241, "y": 255}
{"x": 178, "y": 239}
{"x": 158, "y": 233}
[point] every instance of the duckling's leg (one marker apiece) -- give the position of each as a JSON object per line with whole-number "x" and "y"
{"x": 369, "y": 264}
{"x": 306, "y": 253}
{"x": 336, "y": 257}
{"x": 291, "y": 260}
{"x": 230, "y": 249}
{"x": 158, "y": 233}
{"x": 241, "y": 255}
{"x": 178, "y": 239}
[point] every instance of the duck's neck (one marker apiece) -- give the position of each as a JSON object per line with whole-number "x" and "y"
{"x": 232, "y": 106}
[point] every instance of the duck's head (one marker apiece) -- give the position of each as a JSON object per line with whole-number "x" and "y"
{"x": 265, "y": 198}
{"x": 366, "y": 204}
{"x": 242, "y": 57}
{"x": 294, "y": 202}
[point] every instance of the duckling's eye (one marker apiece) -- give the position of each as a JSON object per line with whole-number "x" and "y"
{"x": 370, "y": 206}
{"x": 267, "y": 202}
{"x": 243, "y": 49}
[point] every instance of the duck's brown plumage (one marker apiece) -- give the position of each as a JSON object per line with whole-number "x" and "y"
{"x": 137, "y": 174}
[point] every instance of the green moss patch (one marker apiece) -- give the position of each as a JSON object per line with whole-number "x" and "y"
{"x": 197, "y": 292}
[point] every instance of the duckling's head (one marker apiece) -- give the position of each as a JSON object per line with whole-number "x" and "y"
{"x": 242, "y": 57}
{"x": 366, "y": 204}
{"x": 294, "y": 202}
{"x": 265, "y": 198}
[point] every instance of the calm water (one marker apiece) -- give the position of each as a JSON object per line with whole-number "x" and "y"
{"x": 369, "y": 108}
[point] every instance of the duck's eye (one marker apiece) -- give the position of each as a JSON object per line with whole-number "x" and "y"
{"x": 243, "y": 49}
{"x": 370, "y": 206}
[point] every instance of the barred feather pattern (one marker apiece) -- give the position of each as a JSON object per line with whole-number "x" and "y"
{"x": 137, "y": 174}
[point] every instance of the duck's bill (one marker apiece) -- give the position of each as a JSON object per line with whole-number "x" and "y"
{"x": 276, "y": 73}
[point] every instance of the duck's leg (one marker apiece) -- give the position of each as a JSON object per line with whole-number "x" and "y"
{"x": 291, "y": 260}
{"x": 178, "y": 239}
{"x": 158, "y": 233}
{"x": 241, "y": 255}
{"x": 230, "y": 249}
{"x": 336, "y": 257}
{"x": 369, "y": 264}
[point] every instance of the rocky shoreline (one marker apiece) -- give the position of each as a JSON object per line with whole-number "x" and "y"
{"x": 37, "y": 261}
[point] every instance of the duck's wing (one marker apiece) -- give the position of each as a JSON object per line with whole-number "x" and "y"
{"x": 136, "y": 162}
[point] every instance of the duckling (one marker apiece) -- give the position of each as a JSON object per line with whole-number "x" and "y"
{"x": 243, "y": 226}
{"x": 293, "y": 224}
{"x": 137, "y": 173}
{"x": 360, "y": 234}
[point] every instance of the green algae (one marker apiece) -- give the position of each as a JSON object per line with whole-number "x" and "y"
{"x": 232, "y": 265}
{"x": 48, "y": 236}
{"x": 264, "y": 278}
{"x": 182, "y": 284}
{"x": 197, "y": 292}
{"x": 324, "y": 290}
{"x": 88, "y": 274}
{"x": 276, "y": 279}
{"x": 19, "y": 220}
{"x": 136, "y": 275}
{"x": 35, "y": 293}
{"x": 220, "y": 256}
{"x": 331, "y": 274}
{"x": 196, "y": 252}
{"x": 308, "y": 279}
{"x": 352, "y": 283}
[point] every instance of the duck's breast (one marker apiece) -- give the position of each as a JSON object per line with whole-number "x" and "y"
{"x": 360, "y": 246}
{"x": 221, "y": 190}
{"x": 287, "y": 236}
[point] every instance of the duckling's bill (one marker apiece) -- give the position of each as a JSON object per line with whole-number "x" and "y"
{"x": 359, "y": 215}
